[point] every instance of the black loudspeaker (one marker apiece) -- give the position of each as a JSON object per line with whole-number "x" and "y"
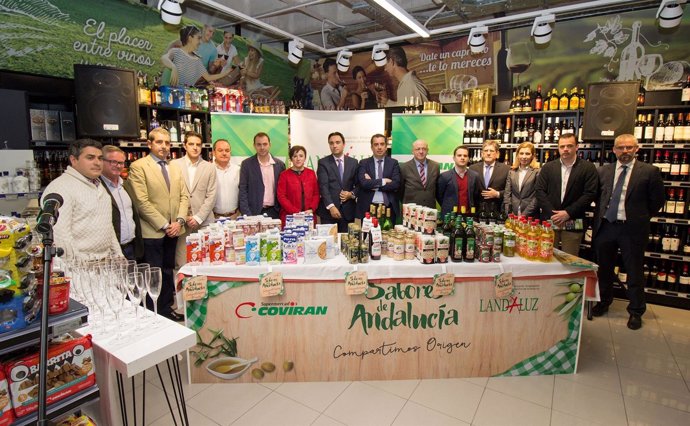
{"x": 106, "y": 102}
{"x": 610, "y": 110}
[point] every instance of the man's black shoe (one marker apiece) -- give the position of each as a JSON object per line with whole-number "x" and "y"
{"x": 599, "y": 309}
{"x": 175, "y": 316}
{"x": 635, "y": 322}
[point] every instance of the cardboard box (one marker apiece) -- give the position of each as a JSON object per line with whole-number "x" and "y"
{"x": 6, "y": 413}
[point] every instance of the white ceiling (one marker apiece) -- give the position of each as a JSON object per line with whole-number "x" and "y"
{"x": 326, "y": 26}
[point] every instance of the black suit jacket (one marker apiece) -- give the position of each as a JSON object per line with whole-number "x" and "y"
{"x": 499, "y": 175}
{"x": 579, "y": 193}
{"x": 252, "y": 185}
{"x": 330, "y": 186}
{"x": 138, "y": 241}
{"x": 447, "y": 190}
{"x": 523, "y": 199}
{"x": 411, "y": 189}
{"x": 367, "y": 187}
{"x": 644, "y": 196}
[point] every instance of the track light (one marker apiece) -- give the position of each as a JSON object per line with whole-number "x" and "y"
{"x": 542, "y": 28}
{"x": 171, "y": 11}
{"x": 378, "y": 54}
{"x": 477, "y": 38}
{"x": 343, "y": 60}
{"x": 295, "y": 51}
{"x": 670, "y": 13}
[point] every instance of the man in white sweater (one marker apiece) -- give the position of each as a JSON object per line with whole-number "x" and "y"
{"x": 84, "y": 226}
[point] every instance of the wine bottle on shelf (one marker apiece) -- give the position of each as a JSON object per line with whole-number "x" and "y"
{"x": 680, "y": 203}
{"x": 527, "y": 100}
{"x": 657, "y": 160}
{"x": 666, "y": 165}
{"x": 548, "y": 132}
{"x": 671, "y": 277}
{"x": 660, "y": 129}
{"x": 675, "y": 240}
{"x": 641, "y": 95}
{"x": 686, "y": 128}
{"x": 537, "y": 136}
{"x": 622, "y": 275}
{"x": 684, "y": 280}
{"x": 530, "y": 130}
{"x": 639, "y": 127}
{"x": 685, "y": 93}
{"x": 669, "y": 129}
{"x": 670, "y": 207}
{"x": 684, "y": 167}
{"x": 686, "y": 244}
{"x": 653, "y": 274}
{"x": 491, "y": 132}
{"x": 649, "y": 129}
{"x": 467, "y": 135}
{"x": 557, "y": 128}
{"x": 661, "y": 277}
{"x": 499, "y": 131}
{"x": 674, "y": 173}
{"x": 538, "y": 101}
{"x": 678, "y": 130}
{"x": 506, "y": 134}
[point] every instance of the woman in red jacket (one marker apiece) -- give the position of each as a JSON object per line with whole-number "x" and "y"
{"x": 298, "y": 190}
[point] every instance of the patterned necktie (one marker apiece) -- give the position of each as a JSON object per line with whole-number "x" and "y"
{"x": 165, "y": 173}
{"x": 341, "y": 169}
{"x": 422, "y": 175}
{"x": 487, "y": 175}
{"x": 612, "y": 210}
{"x": 379, "y": 172}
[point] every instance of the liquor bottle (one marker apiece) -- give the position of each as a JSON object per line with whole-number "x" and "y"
{"x": 641, "y": 95}
{"x": 574, "y": 99}
{"x": 467, "y": 136}
{"x": 678, "y": 130}
{"x": 649, "y": 129}
{"x": 657, "y": 160}
{"x": 547, "y": 101}
{"x": 459, "y": 240}
{"x": 538, "y": 101}
{"x": 156, "y": 93}
{"x": 686, "y": 245}
{"x": 674, "y": 173}
{"x": 548, "y": 131}
{"x": 661, "y": 277}
{"x": 582, "y": 98}
{"x": 154, "y": 121}
{"x": 387, "y": 225}
{"x": 513, "y": 100}
{"x": 684, "y": 167}
{"x": 470, "y": 245}
{"x": 537, "y": 136}
{"x": 665, "y": 240}
{"x": 675, "y": 240}
{"x": 686, "y": 128}
{"x": 639, "y": 127}
{"x": 530, "y": 130}
{"x": 556, "y": 132}
{"x": 554, "y": 101}
{"x": 474, "y": 133}
{"x": 645, "y": 273}
{"x": 680, "y": 203}
{"x": 564, "y": 100}
{"x": 684, "y": 280}
{"x": 499, "y": 131}
{"x": 669, "y": 129}
{"x": 660, "y": 129}
{"x": 527, "y": 100}
{"x": 491, "y": 132}
{"x": 375, "y": 240}
{"x": 666, "y": 165}
{"x": 506, "y": 134}
{"x": 685, "y": 94}
{"x": 670, "y": 207}
{"x": 480, "y": 132}
{"x": 653, "y": 274}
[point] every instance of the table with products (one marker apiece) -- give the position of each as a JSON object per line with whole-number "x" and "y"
{"x": 314, "y": 331}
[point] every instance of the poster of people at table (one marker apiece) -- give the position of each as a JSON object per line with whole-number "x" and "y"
{"x": 398, "y": 330}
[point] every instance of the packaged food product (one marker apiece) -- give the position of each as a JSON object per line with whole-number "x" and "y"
{"x": 6, "y": 413}
{"x": 252, "y": 250}
{"x": 442, "y": 248}
{"x": 274, "y": 255}
{"x": 315, "y": 250}
{"x": 193, "y": 249}
{"x": 216, "y": 248}
{"x": 70, "y": 370}
{"x": 428, "y": 249}
{"x": 290, "y": 249}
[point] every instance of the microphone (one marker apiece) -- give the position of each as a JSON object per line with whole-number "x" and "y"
{"x": 49, "y": 212}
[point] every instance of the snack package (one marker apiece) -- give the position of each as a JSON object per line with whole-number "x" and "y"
{"x": 70, "y": 370}
{"x": 6, "y": 413}
{"x": 315, "y": 250}
{"x": 193, "y": 249}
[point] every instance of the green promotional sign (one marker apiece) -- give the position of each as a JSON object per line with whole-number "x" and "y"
{"x": 443, "y": 132}
{"x": 239, "y": 130}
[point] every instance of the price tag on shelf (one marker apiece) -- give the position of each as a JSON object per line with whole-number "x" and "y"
{"x": 195, "y": 288}
{"x": 271, "y": 284}
{"x": 356, "y": 282}
{"x": 444, "y": 284}
{"x": 503, "y": 284}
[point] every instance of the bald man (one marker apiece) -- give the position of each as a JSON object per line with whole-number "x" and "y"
{"x": 419, "y": 177}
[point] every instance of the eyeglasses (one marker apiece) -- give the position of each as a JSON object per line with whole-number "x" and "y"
{"x": 115, "y": 163}
{"x": 223, "y": 56}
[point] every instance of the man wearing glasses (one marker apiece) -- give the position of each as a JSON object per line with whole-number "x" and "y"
{"x": 630, "y": 193}
{"x": 492, "y": 178}
{"x": 125, "y": 215}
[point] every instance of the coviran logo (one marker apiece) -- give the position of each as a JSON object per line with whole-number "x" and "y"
{"x": 246, "y": 309}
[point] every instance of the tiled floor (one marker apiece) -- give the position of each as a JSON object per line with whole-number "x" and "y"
{"x": 625, "y": 377}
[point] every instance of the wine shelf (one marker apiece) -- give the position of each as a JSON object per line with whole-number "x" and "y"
{"x": 670, "y": 221}
{"x": 675, "y": 257}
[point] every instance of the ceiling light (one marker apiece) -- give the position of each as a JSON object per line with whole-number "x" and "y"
{"x": 670, "y": 13}
{"x": 403, "y": 16}
{"x": 295, "y": 51}
{"x": 378, "y": 54}
{"x": 542, "y": 29}
{"x": 477, "y": 38}
{"x": 343, "y": 60}
{"x": 171, "y": 11}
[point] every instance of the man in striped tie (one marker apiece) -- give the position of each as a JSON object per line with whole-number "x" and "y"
{"x": 419, "y": 176}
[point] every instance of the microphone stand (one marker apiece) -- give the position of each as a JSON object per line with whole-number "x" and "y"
{"x": 49, "y": 251}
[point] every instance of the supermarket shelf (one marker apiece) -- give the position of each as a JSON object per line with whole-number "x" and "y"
{"x": 16, "y": 196}
{"x": 677, "y": 183}
{"x": 655, "y": 107}
{"x": 667, "y": 256}
{"x": 670, "y": 220}
{"x": 62, "y": 407}
{"x": 669, "y": 145}
{"x": 75, "y": 317}
{"x": 667, "y": 293}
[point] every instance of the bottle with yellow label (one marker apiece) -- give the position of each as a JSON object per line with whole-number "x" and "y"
{"x": 533, "y": 241}
{"x": 546, "y": 240}
{"x": 574, "y": 99}
{"x": 564, "y": 100}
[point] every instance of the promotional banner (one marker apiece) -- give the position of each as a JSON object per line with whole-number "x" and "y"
{"x": 443, "y": 132}
{"x": 397, "y": 330}
{"x": 311, "y": 129}
{"x": 617, "y": 47}
{"x": 240, "y": 129}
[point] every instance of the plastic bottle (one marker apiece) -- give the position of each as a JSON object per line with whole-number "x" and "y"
{"x": 533, "y": 233}
{"x": 5, "y": 183}
{"x": 20, "y": 183}
{"x": 546, "y": 240}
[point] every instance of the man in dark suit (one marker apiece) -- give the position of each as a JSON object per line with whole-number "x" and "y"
{"x": 492, "y": 177}
{"x": 125, "y": 214}
{"x": 630, "y": 193}
{"x": 565, "y": 188}
{"x": 259, "y": 180}
{"x": 337, "y": 177}
{"x": 419, "y": 177}
{"x": 458, "y": 187}
{"x": 378, "y": 179}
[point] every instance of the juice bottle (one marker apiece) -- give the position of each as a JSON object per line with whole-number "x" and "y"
{"x": 533, "y": 241}
{"x": 521, "y": 233}
{"x": 546, "y": 243}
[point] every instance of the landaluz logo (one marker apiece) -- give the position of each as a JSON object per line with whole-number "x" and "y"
{"x": 248, "y": 309}
{"x": 510, "y": 304}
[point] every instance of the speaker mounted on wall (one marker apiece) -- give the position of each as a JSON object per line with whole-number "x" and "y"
{"x": 106, "y": 102}
{"x": 610, "y": 110}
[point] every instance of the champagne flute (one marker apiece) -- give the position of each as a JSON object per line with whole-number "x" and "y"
{"x": 519, "y": 58}
{"x": 154, "y": 288}
{"x": 144, "y": 268}
{"x": 116, "y": 299}
{"x": 134, "y": 294}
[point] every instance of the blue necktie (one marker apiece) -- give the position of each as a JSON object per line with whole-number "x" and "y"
{"x": 487, "y": 176}
{"x": 379, "y": 172}
{"x": 341, "y": 169}
{"x": 612, "y": 210}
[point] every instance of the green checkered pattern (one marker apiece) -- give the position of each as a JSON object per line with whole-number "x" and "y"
{"x": 559, "y": 359}
{"x": 197, "y": 309}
